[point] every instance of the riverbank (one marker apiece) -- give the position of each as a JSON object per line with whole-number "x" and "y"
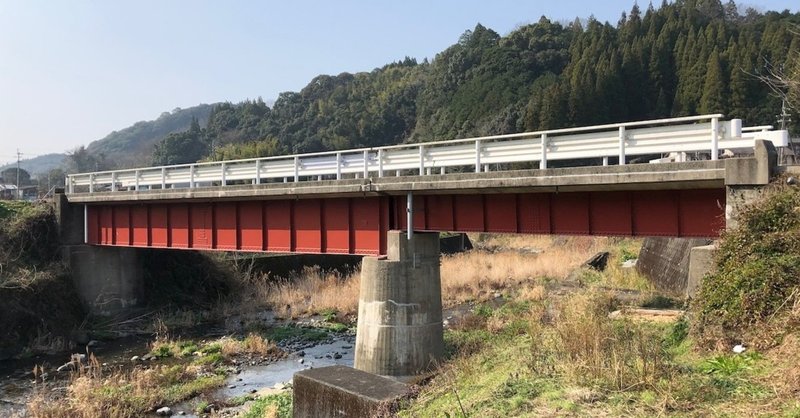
{"x": 308, "y": 310}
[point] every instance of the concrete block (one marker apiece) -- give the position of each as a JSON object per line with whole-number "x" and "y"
{"x": 701, "y": 262}
{"x": 340, "y": 391}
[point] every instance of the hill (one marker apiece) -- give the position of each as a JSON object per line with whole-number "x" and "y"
{"x": 686, "y": 57}
{"x": 41, "y": 164}
{"x": 134, "y": 144}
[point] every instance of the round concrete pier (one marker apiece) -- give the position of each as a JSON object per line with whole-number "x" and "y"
{"x": 400, "y": 308}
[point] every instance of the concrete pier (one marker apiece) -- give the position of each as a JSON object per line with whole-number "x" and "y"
{"x": 400, "y": 308}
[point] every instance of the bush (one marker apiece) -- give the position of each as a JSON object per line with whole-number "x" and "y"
{"x": 757, "y": 274}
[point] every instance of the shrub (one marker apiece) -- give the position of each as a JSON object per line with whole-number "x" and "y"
{"x": 757, "y": 274}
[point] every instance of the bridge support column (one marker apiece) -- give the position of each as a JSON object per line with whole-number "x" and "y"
{"x": 400, "y": 308}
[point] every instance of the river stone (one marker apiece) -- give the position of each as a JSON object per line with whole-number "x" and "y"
{"x": 164, "y": 411}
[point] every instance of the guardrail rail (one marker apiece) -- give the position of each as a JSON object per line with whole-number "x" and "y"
{"x": 693, "y": 134}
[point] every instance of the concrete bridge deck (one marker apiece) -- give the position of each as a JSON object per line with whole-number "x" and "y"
{"x": 664, "y": 176}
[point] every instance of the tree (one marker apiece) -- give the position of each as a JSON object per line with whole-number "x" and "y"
{"x": 80, "y": 160}
{"x": 9, "y": 176}
{"x": 713, "y": 99}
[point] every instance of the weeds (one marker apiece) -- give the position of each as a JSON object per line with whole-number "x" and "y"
{"x": 756, "y": 283}
{"x": 271, "y": 406}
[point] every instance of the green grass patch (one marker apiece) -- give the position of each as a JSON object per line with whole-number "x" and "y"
{"x": 282, "y": 402}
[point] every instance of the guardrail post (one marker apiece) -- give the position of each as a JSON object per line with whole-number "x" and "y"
{"x": 91, "y": 183}
{"x": 380, "y": 163}
{"x": 113, "y": 181}
{"x": 136, "y": 182}
{"x": 296, "y": 169}
{"x": 621, "y": 145}
{"x": 338, "y": 166}
{"x": 486, "y": 168}
{"x": 222, "y": 169}
{"x": 421, "y": 160}
{"x": 714, "y": 138}
{"x": 191, "y": 176}
{"x": 366, "y": 163}
{"x": 258, "y": 171}
{"x": 163, "y": 178}
{"x": 605, "y": 161}
{"x": 543, "y": 163}
{"x": 477, "y": 156}
{"x": 70, "y": 185}
{"x": 441, "y": 170}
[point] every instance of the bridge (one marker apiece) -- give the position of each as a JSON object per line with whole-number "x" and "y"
{"x": 344, "y": 202}
{"x": 650, "y": 178}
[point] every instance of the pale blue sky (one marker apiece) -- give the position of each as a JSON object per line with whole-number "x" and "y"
{"x": 72, "y": 71}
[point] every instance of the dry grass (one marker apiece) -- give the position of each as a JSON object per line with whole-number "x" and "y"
{"x": 314, "y": 291}
{"x": 253, "y": 344}
{"x": 618, "y": 355}
{"x": 474, "y": 275}
{"x": 478, "y": 275}
{"x": 124, "y": 393}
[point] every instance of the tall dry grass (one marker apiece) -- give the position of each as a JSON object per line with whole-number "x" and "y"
{"x": 314, "y": 291}
{"x": 596, "y": 351}
{"x": 474, "y": 275}
{"x": 478, "y": 274}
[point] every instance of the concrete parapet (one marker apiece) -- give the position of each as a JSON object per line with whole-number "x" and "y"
{"x": 400, "y": 308}
{"x": 753, "y": 171}
{"x": 107, "y": 279}
{"x": 701, "y": 262}
{"x": 340, "y": 391}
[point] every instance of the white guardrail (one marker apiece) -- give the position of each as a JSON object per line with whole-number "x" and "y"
{"x": 694, "y": 134}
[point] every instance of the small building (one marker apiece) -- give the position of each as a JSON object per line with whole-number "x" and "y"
{"x": 11, "y": 192}
{"x": 8, "y": 191}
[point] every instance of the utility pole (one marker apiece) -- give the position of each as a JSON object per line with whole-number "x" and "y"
{"x": 19, "y": 194}
{"x": 783, "y": 119}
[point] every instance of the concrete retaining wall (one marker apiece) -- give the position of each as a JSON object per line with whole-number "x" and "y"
{"x": 665, "y": 262}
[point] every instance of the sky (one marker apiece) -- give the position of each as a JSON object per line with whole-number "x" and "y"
{"x": 73, "y": 71}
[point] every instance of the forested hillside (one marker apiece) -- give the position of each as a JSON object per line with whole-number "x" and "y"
{"x": 682, "y": 58}
{"x": 134, "y": 144}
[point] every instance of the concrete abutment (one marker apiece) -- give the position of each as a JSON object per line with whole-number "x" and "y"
{"x": 108, "y": 280}
{"x": 745, "y": 179}
{"x": 400, "y": 308}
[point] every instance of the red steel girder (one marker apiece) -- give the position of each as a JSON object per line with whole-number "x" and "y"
{"x": 359, "y": 225}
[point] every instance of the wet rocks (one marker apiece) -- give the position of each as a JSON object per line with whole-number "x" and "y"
{"x": 164, "y": 411}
